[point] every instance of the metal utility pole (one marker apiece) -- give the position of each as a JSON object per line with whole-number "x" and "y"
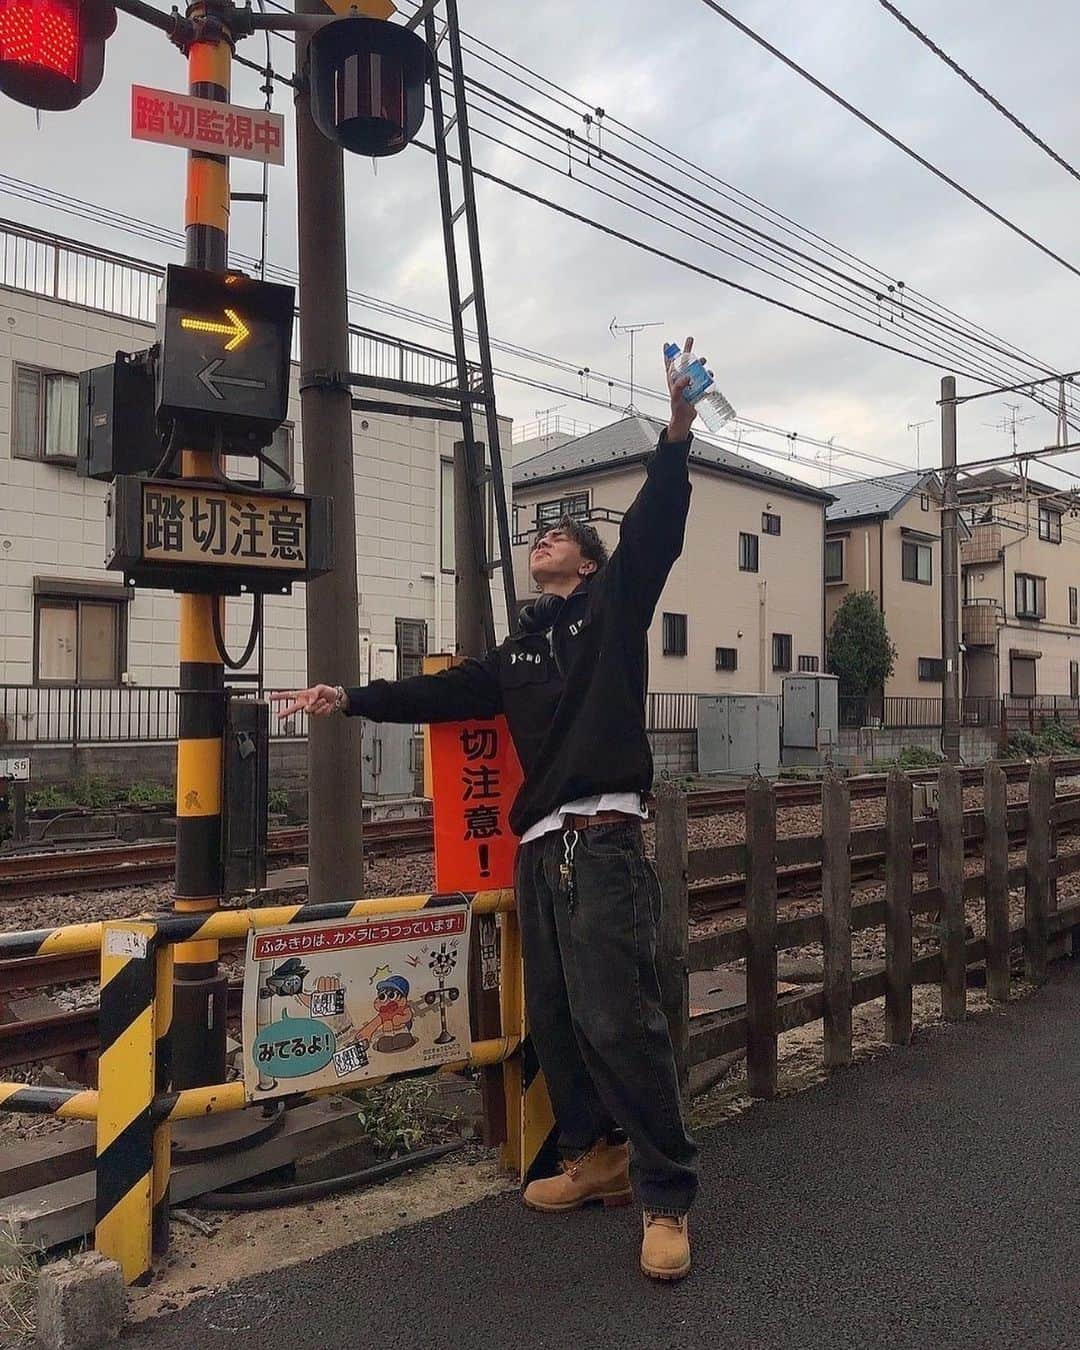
{"x": 335, "y": 794}
{"x": 471, "y": 586}
{"x": 950, "y": 574}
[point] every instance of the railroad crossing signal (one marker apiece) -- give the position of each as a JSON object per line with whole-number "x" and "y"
{"x": 224, "y": 362}
{"x": 52, "y": 52}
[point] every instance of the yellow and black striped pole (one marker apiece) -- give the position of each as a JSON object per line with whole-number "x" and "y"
{"x": 530, "y": 1149}
{"x": 126, "y": 1088}
{"x": 200, "y": 1002}
{"x": 163, "y": 1014}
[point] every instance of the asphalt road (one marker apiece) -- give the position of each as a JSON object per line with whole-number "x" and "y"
{"x": 923, "y": 1200}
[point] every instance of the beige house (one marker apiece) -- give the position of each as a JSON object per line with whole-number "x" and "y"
{"x": 884, "y": 535}
{"x": 1021, "y": 578}
{"x": 743, "y": 605}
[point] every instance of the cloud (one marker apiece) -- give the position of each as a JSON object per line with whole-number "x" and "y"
{"x": 680, "y": 75}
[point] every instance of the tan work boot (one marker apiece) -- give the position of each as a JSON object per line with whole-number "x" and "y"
{"x": 665, "y": 1248}
{"x": 602, "y": 1173}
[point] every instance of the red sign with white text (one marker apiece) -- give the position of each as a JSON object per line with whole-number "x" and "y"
{"x": 201, "y": 124}
{"x": 475, "y": 778}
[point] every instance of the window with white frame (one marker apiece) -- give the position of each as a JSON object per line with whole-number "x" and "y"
{"x": 45, "y": 415}
{"x": 834, "y": 560}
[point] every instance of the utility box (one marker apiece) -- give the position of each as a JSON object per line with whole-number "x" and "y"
{"x": 246, "y": 795}
{"x": 117, "y": 430}
{"x": 738, "y": 734}
{"x": 811, "y": 719}
{"x": 388, "y": 760}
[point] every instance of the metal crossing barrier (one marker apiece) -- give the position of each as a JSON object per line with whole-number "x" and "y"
{"x": 134, "y": 1104}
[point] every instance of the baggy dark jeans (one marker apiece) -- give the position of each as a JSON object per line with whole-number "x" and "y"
{"x": 593, "y": 1001}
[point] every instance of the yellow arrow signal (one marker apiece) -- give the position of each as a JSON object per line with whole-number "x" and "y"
{"x": 236, "y": 329}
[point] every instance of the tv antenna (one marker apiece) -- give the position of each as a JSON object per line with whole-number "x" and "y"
{"x": 633, "y": 329}
{"x": 917, "y": 427}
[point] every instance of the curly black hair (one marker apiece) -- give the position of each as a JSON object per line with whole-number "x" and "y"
{"x": 583, "y": 534}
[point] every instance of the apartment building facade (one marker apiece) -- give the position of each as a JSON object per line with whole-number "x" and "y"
{"x": 1020, "y": 571}
{"x": 883, "y": 535}
{"x": 743, "y": 605}
{"x": 66, "y": 622}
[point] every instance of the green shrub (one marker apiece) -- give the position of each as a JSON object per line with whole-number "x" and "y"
{"x": 393, "y": 1115}
{"x": 278, "y": 801}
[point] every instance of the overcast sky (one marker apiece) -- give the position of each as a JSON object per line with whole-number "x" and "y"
{"x": 681, "y": 75}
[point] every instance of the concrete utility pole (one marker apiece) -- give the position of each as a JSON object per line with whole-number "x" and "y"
{"x": 335, "y": 794}
{"x": 472, "y": 617}
{"x": 950, "y": 572}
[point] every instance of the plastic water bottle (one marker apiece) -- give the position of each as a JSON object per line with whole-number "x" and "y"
{"x": 712, "y": 407}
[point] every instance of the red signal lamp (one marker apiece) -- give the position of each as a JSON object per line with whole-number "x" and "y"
{"x": 367, "y": 79}
{"x": 52, "y": 52}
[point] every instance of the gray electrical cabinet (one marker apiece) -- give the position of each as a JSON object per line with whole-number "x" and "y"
{"x": 388, "y": 759}
{"x": 811, "y": 718}
{"x": 738, "y": 734}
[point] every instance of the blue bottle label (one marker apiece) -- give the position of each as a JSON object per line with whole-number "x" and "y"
{"x": 700, "y": 381}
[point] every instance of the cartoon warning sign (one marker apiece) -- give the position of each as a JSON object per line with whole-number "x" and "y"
{"x": 340, "y": 1002}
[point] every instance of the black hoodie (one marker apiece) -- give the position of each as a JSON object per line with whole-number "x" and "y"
{"x": 575, "y": 704}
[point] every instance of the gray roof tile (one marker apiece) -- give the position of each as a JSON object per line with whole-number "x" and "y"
{"x": 873, "y": 496}
{"x": 636, "y": 436}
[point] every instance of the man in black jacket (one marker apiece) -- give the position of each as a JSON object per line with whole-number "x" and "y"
{"x": 572, "y": 684}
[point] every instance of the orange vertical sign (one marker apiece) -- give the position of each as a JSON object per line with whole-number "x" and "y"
{"x": 475, "y": 778}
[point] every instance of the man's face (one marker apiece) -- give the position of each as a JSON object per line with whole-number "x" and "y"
{"x": 555, "y": 557}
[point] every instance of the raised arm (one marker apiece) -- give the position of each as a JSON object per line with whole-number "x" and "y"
{"x": 653, "y": 529}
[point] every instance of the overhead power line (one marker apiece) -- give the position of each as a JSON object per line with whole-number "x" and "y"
{"x": 890, "y": 294}
{"x": 979, "y": 89}
{"x": 893, "y": 140}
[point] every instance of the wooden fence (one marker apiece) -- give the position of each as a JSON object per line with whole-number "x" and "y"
{"x": 933, "y": 845}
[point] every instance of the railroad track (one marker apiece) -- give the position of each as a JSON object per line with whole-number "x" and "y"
{"x": 110, "y": 867}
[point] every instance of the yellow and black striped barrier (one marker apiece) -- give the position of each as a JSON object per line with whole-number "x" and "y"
{"x": 135, "y": 1101}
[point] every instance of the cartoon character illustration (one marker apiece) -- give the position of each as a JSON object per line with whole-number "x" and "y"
{"x": 390, "y": 1030}
{"x": 287, "y": 981}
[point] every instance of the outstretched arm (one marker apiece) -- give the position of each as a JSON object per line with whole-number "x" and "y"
{"x": 469, "y": 690}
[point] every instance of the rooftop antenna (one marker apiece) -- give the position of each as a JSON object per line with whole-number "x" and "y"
{"x": 633, "y": 329}
{"x": 1009, "y": 423}
{"x": 917, "y": 427}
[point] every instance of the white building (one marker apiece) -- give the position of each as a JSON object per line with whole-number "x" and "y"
{"x": 65, "y": 621}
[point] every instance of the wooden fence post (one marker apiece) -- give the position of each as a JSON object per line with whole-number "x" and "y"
{"x": 1037, "y": 885}
{"x": 836, "y": 917}
{"x": 761, "y": 938}
{"x": 996, "y": 872}
{"x": 898, "y": 887}
{"x": 673, "y": 933}
{"x": 952, "y": 923}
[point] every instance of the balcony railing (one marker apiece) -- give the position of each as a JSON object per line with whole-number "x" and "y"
{"x": 979, "y": 619}
{"x": 49, "y": 265}
{"x": 594, "y": 516}
{"x": 984, "y": 546}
